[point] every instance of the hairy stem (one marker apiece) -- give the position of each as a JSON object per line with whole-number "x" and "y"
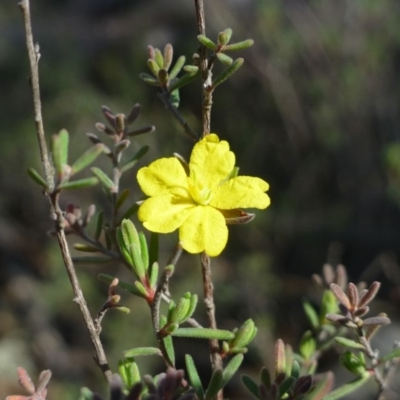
{"x": 208, "y": 289}
{"x": 34, "y": 55}
{"x": 205, "y": 68}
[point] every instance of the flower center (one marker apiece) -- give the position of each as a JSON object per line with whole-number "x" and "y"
{"x": 201, "y": 194}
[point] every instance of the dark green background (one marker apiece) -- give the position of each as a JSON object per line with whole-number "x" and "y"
{"x": 314, "y": 111}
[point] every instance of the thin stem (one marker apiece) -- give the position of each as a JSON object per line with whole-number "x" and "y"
{"x": 170, "y": 107}
{"x": 208, "y": 289}
{"x": 205, "y": 68}
{"x": 34, "y": 55}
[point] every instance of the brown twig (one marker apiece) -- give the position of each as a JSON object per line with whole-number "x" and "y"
{"x": 208, "y": 288}
{"x": 34, "y": 55}
{"x": 205, "y": 68}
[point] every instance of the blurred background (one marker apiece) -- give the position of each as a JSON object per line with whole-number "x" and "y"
{"x": 315, "y": 111}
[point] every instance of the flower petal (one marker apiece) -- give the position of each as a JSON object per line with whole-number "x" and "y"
{"x": 162, "y": 175}
{"x": 165, "y": 213}
{"x": 241, "y": 192}
{"x": 211, "y": 161}
{"x": 204, "y": 230}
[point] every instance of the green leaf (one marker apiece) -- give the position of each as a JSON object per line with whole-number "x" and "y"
{"x": 194, "y": 376}
{"x": 99, "y": 225}
{"x": 352, "y": 363}
{"x": 153, "y": 275}
{"x": 204, "y": 333}
{"x": 86, "y": 248}
{"x": 144, "y": 251}
{"x": 129, "y": 212}
{"x": 245, "y": 44}
{"x": 158, "y": 57}
{"x": 251, "y": 386}
{"x": 175, "y": 98}
{"x": 86, "y": 394}
{"x": 180, "y": 62}
{"x": 141, "y": 289}
{"x": 286, "y": 385}
{"x": 149, "y": 79}
{"x": 348, "y": 388}
{"x": 351, "y": 344}
{"x": 226, "y": 60}
{"x": 87, "y": 158}
{"x": 215, "y": 385}
{"x": 121, "y": 199}
{"x": 153, "y": 248}
{"x": 183, "y": 81}
{"x": 205, "y": 41}
{"x": 244, "y": 335}
{"x": 37, "y": 177}
{"x": 104, "y": 179}
{"x": 265, "y": 377}
{"x": 59, "y": 151}
{"x": 154, "y": 67}
{"x": 129, "y": 372}
{"x": 180, "y": 310}
{"x": 311, "y": 315}
{"x": 169, "y": 348}
{"x": 231, "y": 369}
{"x": 308, "y": 345}
{"x": 192, "y": 307}
{"x": 79, "y": 184}
{"x": 224, "y": 37}
{"x": 143, "y": 351}
{"x": 224, "y": 75}
{"x": 295, "y": 369}
{"x": 135, "y": 158}
{"x": 393, "y": 354}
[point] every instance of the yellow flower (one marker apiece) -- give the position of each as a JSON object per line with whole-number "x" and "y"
{"x": 195, "y": 201}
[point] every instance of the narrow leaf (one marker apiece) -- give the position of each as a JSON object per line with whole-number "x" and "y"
{"x": 311, "y": 314}
{"x": 203, "y": 333}
{"x": 143, "y": 351}
{"x": 215, "y": 385}
{"x": 245, "y": 44}
{"x": 158, "y": 57}
{"x": 87, "y": 158}
{"x": 351, "y": 344}
{"x": 129, "y": 372}
{"x": 184, "y": 80}
{"x": 129, "y": 212}
{"x": 59, "y": 150}
{"x": 169, "y": 348}
{"x": 144, "y": 250}
{"x": 205, "y": 41}
{"x": 226, "y": 60}
{"x": 104, "y": 179}
{"x": 348, "y": 388}
{"x": 86, "y": 248}
{"x": 153, "y": 248}
{"x": 231, "y": 369}
{"x": 121, "y": 199}
{"x": 393, "y": 354}
{"x": 99, "y": 225}
{"x": 224, "y": 75}
{"x": 194, "y": 376}
{"x": 340, "y": 295}
{"x": 149, "y": 79}
{"x": 251, "y": 386}
{"x": 37, "y": 177}
{"x": 180, "y": 62}
{"x": 79, "y": 184}
{"x": 135, "y": 158}
{"x": 153, "y": 276}
{"x": 280, "y": 357}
